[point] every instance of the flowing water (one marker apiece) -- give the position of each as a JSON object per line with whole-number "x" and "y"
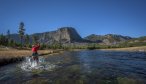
{"x": 79, "y": 67}
{"x": 30, "y": 65}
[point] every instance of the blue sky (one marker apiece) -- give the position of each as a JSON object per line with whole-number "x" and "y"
{"x": 125, "y": 17}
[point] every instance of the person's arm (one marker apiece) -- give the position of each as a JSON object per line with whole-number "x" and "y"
{"x": 38, "y": 45}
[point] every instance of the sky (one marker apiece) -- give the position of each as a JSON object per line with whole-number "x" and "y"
{"x": 124, "y": 17}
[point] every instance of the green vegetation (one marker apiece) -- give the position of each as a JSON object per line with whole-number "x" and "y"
{"x": 8, "y": 34}
{"x": 21, "y": 31}
{"x": 134, "y": 42}
{"x": 6, "y": 41}
{"x": 27, "y": 41}
{"x": 90, "y": 46}
{"x": 3, "y": 40}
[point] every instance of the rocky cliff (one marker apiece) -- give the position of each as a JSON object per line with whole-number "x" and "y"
{"x": 62, "y": 35}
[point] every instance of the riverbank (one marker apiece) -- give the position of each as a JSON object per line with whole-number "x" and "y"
{"x": 132, "y": 49}
{"x": 8, "y": 56}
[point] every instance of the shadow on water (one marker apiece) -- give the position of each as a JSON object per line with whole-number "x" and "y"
{"x": 82, "y": 67}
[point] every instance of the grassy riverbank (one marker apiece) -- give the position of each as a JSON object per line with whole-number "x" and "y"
{"x": 8, "y": 55}
{"x": 141, "y": 49}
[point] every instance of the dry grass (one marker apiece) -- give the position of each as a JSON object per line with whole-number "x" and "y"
{"x": 12, "y": 53}
{"x": 141, "y": 48}
{"x": 9, "y": 55}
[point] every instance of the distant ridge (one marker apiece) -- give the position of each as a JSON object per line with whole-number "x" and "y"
{"x": 67, "y": 35}
{"x": 107, "y": 39}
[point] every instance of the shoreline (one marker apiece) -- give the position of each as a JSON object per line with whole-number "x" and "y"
{"x": 129, "y": 49}
{"x": 13, "y": 55}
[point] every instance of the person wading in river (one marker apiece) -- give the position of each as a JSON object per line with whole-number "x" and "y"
{"x": 35, "y": 53}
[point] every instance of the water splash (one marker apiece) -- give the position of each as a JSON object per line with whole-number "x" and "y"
{"x": 29, "y": 64}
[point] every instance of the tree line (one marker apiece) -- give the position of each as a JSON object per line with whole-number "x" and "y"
{"x": 6, "y": 40}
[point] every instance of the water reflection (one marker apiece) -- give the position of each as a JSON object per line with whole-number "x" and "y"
{"x": 83, "y": 67}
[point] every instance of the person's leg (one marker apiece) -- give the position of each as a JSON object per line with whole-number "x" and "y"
{"x": 33, "y": 57}
{"x": 37, "y": 60}
{"x": 31, "y": 60}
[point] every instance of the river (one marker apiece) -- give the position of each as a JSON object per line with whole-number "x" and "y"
{"x": 82, "y": 67}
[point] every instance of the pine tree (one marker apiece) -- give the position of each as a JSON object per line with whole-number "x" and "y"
{"x": 8, "y": 34}
{"x": 21, "y": 31}
{"x": 3, "y": 40}
{"x": 8, "y": 37}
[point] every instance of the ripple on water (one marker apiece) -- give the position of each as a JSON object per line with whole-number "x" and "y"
{"x": 80, "y": 67}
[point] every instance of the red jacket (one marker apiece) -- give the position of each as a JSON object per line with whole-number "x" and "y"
{"x": 35, "y": 48}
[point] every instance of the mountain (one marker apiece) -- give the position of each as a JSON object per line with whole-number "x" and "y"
{"x": 108, "y": 39}
{"x": 141, "y": 41}
{"x": 67, "y": 35}
{"x": 62, "y": 35}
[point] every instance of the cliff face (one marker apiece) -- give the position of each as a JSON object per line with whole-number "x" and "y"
{"x": 62, "y": 35}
